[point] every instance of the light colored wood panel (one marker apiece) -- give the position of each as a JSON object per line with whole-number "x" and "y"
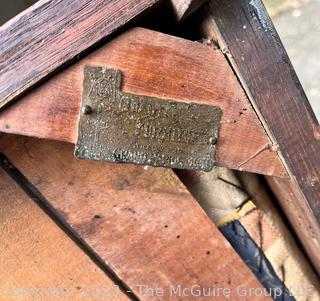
{"x": 142, "y": 222}
{"x": 38, "y": 261}
{"x": 158, "y": 65}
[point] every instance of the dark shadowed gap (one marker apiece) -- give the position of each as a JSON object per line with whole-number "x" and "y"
{"x": 43, "y": 203}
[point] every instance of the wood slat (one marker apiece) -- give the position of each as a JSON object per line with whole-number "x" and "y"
{"x": 38, "y": 261}
{"x": 247, "y": 36}
{"x": 52, "y": 32}
{"x": 158, "y": 65}
{"x": 142, "y": 222}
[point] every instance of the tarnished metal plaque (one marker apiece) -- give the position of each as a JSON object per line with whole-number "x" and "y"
{"x": 120, "y": 127}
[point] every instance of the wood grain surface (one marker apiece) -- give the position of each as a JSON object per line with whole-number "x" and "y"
{"x": 142, "y": 222}
{"x": 158, "y": 65}
{"x": 38, "y": 260}
{"x": 52, "y": 32}
{"x": 247, "y": 36}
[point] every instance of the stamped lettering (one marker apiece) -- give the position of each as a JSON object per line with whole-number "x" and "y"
{"x": 120, "y": 127}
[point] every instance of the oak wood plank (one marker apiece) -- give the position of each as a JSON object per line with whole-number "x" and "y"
{"x": 38, "y": 260}
{"x": 158, "y": 65}
{"x": 247, "y": 36}
{"x": 142, "y": 222}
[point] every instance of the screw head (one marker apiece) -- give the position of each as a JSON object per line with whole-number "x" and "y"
{"x": 86, "y": 110}
{"x": 213, "y": 141}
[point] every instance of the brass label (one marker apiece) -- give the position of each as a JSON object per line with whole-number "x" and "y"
{"x": 120, "y": 127}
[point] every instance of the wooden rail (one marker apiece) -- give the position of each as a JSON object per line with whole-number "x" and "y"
{"x": 52, "y": 32}
{"x": 158, "y": 65}
{"x": 142, "y": 223}
{"x": 247, "y": 36}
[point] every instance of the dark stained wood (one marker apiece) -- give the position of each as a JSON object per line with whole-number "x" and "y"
{"x": 157, "y": 65}
{"x": 247, "y": 36}
{"x": 38, "y": 260}
{"x": 142, "y": 222}
{"x": 52, "y": 32}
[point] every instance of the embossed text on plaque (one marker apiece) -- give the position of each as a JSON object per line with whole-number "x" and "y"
{"x": 120, "y": 127}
